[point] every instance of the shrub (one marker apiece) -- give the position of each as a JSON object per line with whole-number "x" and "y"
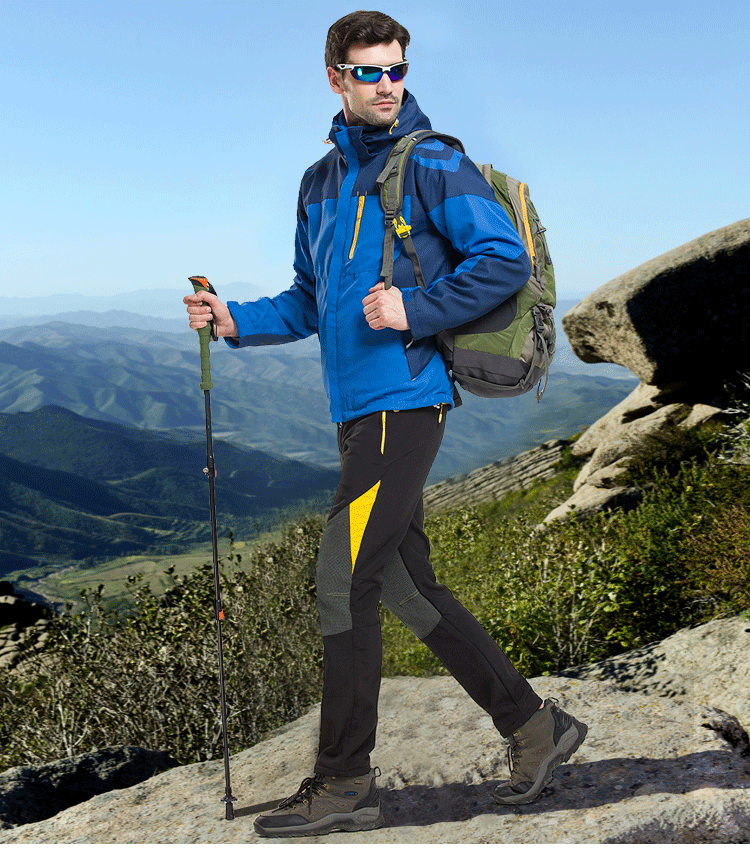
{"x": 151, "y": 679}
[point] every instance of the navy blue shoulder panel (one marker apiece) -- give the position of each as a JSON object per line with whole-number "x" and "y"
{"x": 322, "y": 181}
{"x": 440, "y": 172}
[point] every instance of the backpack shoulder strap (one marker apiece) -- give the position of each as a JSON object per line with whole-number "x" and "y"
{"x": 390, "y": 182}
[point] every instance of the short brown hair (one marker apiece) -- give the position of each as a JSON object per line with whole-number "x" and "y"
{"x": 357, "y": 28}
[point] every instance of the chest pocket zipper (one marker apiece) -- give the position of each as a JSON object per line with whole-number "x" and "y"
{"x": 360, "y": 208}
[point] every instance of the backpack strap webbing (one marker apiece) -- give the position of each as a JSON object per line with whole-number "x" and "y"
{"x": 391, "y": 185}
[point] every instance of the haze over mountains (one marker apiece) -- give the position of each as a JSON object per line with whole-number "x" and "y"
{"x": 270, "y": 399}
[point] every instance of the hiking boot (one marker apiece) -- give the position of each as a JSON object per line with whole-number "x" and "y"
{"x": 326, "y": 804}
{"x": 549, "y": 738}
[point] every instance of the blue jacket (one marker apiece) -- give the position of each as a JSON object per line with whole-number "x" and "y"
{"x": 471, "y": 256}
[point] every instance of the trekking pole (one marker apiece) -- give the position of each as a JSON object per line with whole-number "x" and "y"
{"x": 206, "y": 335}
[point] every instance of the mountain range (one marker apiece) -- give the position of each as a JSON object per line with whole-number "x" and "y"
{"x": 73, "y": 487}
{"x": 270, "y": 399}
{"x": 102, "y": 429}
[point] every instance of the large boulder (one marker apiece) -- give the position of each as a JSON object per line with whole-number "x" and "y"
{"x": 684, "y": 315}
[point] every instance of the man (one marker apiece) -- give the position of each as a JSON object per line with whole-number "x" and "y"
{"x": 389, "y": 394}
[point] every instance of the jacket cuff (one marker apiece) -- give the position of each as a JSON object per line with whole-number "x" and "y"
{"x": 412, "y": 312}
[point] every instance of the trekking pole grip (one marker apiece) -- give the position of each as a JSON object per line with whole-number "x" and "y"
{"x": 199, "y": 282}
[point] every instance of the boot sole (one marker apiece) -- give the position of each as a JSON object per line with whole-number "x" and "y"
{"x": 364, "y": 820}
{"x": 566, "y": 747}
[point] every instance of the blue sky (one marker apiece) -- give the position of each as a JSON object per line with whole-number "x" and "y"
{"x": 144, "y": 142}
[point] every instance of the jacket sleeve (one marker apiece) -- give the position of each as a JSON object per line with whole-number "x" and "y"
{"x": 462, "y": 207}
{"x": 290, "y": 316}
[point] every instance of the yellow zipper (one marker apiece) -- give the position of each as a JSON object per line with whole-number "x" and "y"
{"x": 360, "y": 207}
{"x": 382, "y": 439}
{"x": 527, "y": 227}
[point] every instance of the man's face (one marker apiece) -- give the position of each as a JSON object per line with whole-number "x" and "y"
{"x": 369, "y": 104}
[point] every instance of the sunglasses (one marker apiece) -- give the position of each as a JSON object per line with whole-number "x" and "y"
{"x": 372, "y": 74}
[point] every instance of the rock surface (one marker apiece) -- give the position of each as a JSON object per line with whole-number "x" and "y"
{"x": 32, "y": 793}
{"x": 660, "y": 765}
{"x": 496, "y": 479}
{"x": 664, "y": 319}
{"x": 613, "y": 438}
{"x": 22, "y": 624}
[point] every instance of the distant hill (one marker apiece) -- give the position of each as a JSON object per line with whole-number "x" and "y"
{"x": 155, "y": 302}
{"x": 270, "y": 399}
{"x": 72, "y": 487}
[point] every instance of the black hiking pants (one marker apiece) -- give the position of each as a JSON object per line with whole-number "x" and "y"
{"x": 374, "y": 549}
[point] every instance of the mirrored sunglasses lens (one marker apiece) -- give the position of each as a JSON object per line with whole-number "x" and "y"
{"x": 370, "y": 74}
{"x": 398, "y": 73}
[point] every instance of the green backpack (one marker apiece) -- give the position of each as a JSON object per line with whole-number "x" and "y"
{"x": 507, "y": 351}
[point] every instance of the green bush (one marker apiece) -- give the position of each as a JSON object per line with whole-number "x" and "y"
{"x": 151, "y": 679}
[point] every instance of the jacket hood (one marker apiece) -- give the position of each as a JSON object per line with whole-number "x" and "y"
{"x": 372, "y": 139}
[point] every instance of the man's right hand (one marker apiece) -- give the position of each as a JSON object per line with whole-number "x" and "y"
{"x": 200, "y": 315}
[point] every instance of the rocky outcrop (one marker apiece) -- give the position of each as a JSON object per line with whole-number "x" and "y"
{"x": 707, "y": 664}
{"x": 664, "y": 762}
{"x": 29, "y": 794}
{"x": 682, "y": 316}
{"x": 681, "y": 323}
{"x": 496, "y": 479}
{"x": 662, "y": 321}
{"x": 609, "y": 443}
{"x": 23, "y": 624}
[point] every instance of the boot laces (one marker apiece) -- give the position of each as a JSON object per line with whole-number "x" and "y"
{"x": 513, "y": 752}
{"x": 309, "y": 788}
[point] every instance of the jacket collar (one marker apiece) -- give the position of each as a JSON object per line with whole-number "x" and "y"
{"x": 369, "y": 140}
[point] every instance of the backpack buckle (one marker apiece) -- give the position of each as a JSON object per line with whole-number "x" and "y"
{"x": 402, "y": 228}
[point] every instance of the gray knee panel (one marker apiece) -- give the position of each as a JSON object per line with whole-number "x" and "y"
{"x": 334, "y": 576}
{"x": 403, "y": 599}
{"x": 334, "y": 584}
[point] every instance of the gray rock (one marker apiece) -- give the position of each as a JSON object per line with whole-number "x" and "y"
{"x": 664, "y": 319}
{"x": 643, "y": 401}
{"x": 617, "y": 435}
{"x": 653, "y": 769}
{"x": 495, "y": 480}
{"x": 32, "y": 793}
{"x": 707, "y": 664}
{"x": 609, "y": 476}
{"x": 589, "y": 499}
{"x": 23, "y": 624}
{"x": 18, "y": 642}
{"x": 17, "y": 611}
